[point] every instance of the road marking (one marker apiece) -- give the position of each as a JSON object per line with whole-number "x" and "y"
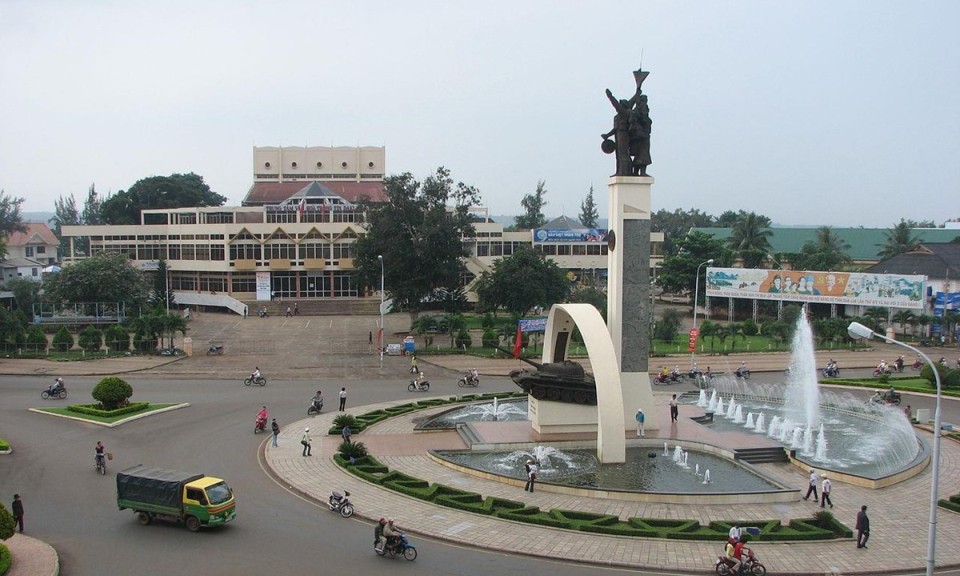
{"x": 456, "y": 528}
{"x": 308, "y": 324}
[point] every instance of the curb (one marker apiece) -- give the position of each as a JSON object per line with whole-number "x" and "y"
{"x": 112, "y": 424}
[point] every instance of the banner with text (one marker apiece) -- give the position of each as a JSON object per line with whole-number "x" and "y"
{"x": 263, "y": 286}
{"x": 857, "y": 288}
{"x": 562, "y": 235}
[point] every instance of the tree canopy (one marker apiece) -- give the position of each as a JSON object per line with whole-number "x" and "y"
{"x": 679, "y": 271}
{"x": 533, "y": 204}
{"x": 419, "y": 233}
{"x": 174, "y": 191}
{"x": 748, "y": 239}
{"x": 828, "y": 251}
{"x": 101, "y": 278}
{"x": 588, "y": 211}
{"x": 10, "y": 219}
{"x": 899, "y": 239}
{"x": 522, "y": 281}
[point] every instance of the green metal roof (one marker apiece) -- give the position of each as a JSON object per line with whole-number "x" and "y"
{"x": 863, "y": 241}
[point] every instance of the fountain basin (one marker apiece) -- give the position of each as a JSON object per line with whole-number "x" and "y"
{"x": 641, "y": 478}
{"x": 504, "y": 411}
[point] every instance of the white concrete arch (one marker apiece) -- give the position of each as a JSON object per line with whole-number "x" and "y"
{"x": 563, "y": 318}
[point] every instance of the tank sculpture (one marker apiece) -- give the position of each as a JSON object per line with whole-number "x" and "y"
{"x": 557, "y": 381}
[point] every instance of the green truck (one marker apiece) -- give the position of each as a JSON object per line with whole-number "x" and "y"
{"x": 193, "y": 499}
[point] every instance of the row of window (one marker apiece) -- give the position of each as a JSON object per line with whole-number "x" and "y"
{"x": 28, "y": 251}
{"x": 335, "y": 216}
{"x": 157, "y": 237}
{"x": 287, "y": 285}
{"x": 287, "y": 251}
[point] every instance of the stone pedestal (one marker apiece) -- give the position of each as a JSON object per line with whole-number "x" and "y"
{"x": 188, "y": 346}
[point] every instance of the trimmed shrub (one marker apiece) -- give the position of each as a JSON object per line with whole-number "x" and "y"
{"x": 952, "y": 379}
{"x": 112, "y": 392}
{"x": 117, "y": 338}
{"x": 5, "y": 559}
{"x": 62, "y": 340}
{"x": 91, "y": 338}
{"x": 342, "y": 420}
{"x": 93, "y": 410}
{"x": 488, "y": 321}
{"x": 142, "y": 343}
{"x": 927, "y": 373}
{"x": 463, "y": 339}
{"x": 490, "y": 339}
{"x": 36, "y": 339}
{"x": 750, "y": 327}
{"x": 4, "y": 445}
{"x": 6, "y": 523}
{"x": 353, "y": 450}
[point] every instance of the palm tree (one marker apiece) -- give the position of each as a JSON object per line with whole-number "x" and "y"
{"x": 171, "y": 323}
{"x": 749, "y": 239}
{"x": 924, "y": 320}
{"x": 903, "y": 318}
{"x": 900, "y": 239}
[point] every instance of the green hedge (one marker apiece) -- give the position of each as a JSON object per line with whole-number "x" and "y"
{"x": 92, "y": 410}
{"x": 822, "y": 527}
{"x": 4, "y": 445}
{"x": 952, "y": 504}
{"x": 5, "y": 559}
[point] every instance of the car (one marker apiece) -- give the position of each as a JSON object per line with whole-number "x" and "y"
{"x": 394, "y": 350}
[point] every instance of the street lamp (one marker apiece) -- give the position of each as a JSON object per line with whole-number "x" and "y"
{"x": 380, "y": 258}
{"x": 696, "y": 297}
{"x": 780, "y": 266}
{"x": 857, "y": 330}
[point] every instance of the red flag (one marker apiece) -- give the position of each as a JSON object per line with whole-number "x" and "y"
{"x": 519, "y": 344}
{"x": 302, "y": 206}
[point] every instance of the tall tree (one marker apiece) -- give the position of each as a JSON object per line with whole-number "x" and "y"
{"x": 828, "y": 251}
{"x": 899, "y": 239}
{"x": 533, "y": 204}
{"x": 679, "y": 271}
{"x": 418, "y": 237}
{"x": 729, "y": 219}
{"x": 174, "y": 191}
{"x": 588, "y": 210}
{"x": 92, "y": 208}
{"x": 65, "y": 214}
{"x": 101, "y": 278}
{"x": 161, "y": 296}
{"x": 10, "y": 219}
{"x": 522, "y": 281}
{"x": 677, "y": 224}
{"x": 749, "y": 239}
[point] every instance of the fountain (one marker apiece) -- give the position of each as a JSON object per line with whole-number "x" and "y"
{"x": 802, "y": 398}
{"x": 749, "y": 422}
{"x": 719, "y": 405}
{"x": 738, "y": 415}
{"x": 732, "y": 409}
{"x": 678, "y": 454}
{"x": 774, "y": 427}
{"x": 706, "y": 476}
{"x": 702, "y": 400}
{"x": 821, "y": 446}
{"x": 493, "y": 411}
{"x": 759, "y": 427}
{"x": 712, "y": 405}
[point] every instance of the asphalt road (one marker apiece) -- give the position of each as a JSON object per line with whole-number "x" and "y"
{"x": 73, "y": 508}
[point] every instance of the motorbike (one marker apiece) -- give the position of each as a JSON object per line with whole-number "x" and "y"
{"x": 100, "y": 461}
{"x": 885, "y": 398}
{"x": 751, "y": 565}
{"x": 743, "y": 373}
{"x": 314, "y": 407}
{"x": 831, "y": 372}
{"x": 917, "y": 365}
{"x": 468, "y": 380}
{"x": 169, "y": 352}
{"x": 671, "y": 377}
{"x": 418, "y": 386}
{"x": 341, "y": 504}
{"x": 259, "y": 381}
{"x": 54, "y": 391}
{"x": 215, "y": 349}
{"x": 398, "y": 546}
{"x": 885, "y": 370}
{"x": 260, "y": 425}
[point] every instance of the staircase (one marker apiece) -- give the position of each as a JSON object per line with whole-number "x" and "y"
{"x": 337, "y": 307}
{"x": 761, "y": 455}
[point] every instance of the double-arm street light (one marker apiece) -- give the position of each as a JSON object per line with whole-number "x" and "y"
{"x": 857, "y": 330}
{"x": 696, "y": 298}
{"x": 382, "y": 344}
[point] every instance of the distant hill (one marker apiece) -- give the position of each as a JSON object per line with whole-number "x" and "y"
{"x": 37, "y": 216}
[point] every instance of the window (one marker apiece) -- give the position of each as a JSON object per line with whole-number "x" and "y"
{"x": 243, "y": 282}
{"x": 41, "y": 249}
{"x": 244, "y": 252}
{"x": 28, "y": 251}
{"x": 217, "y": 252}
{"x": 213, "y": 282}
{"x": 281, "y": 217}
{"x": 341, "y": 250}
{"x": 563, "y": 250}
{"x": 342, "y": 287}
{"x": 35, "y": 272}
{"x": 314, "y": 251}
{"x": 152, "y": 252}
{"x": 278, "y": 251}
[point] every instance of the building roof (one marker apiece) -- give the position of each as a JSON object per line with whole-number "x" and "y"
{"x": 933, "y": 260}
{"x": 276, "y": 192}
{"x": 564, "y": 223}
{"x": 864, "y": 242}
{"x": 37, "y": 233}
{"x": 19, "y": 263}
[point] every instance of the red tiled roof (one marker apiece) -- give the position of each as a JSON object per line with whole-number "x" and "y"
{"x": 33, "y": 229}
{"x": 275, "y": 192}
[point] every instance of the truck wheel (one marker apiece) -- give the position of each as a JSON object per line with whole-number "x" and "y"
{"x": 192, "y": 523}
{"x": 144, "y": 518}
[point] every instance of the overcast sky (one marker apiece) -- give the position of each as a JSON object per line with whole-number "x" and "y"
{"x": 821, "y": 112}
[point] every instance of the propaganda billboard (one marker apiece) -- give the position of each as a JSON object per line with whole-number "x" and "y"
{"x": 858, "y": 288}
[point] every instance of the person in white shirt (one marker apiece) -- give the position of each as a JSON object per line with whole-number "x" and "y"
{"x": 343, "y": 399}
{"x": 812, "y": 489}
{"x": 532, "y": 471}
{"x": 825, "y": 488}
{"x": 734, "y": 535}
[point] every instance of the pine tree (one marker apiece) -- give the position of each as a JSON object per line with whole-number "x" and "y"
{"x": 533, "y": 204}
{"x": 588, "y": 211}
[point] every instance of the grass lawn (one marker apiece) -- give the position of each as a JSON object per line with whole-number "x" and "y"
{"x": 109, "y": 420}
{"x": 748, "y": 344}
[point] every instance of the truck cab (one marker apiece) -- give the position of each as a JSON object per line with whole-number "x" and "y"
{"x": 210, "y": 500}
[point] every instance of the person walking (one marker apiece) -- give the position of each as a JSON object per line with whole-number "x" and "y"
{"x": 18, "y": 511}
{"x": 863, "y": 527}
{"x": 825, "y": 488}
{"x": 289, "y": 313}
{"x": 343, "y": 399}
{"x": 296, "y": 309}
{"x": 674, "y": 409}
{"x": 345, "y": 433}
{"x": 305, "y": 440}
{"x": 531, "y": 475}
{"x": 640, "y": 420}
{"x": 812, "y": 488}
{"x": 276, "y": 433}
{"x": 414, "y": 369}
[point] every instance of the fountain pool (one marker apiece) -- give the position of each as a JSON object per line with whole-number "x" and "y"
{"x": 492, "y": 411}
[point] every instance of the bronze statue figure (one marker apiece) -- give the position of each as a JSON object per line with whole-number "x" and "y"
{"x": 631, "y": 131}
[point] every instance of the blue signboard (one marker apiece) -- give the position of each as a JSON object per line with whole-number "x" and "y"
{"x": 953, "y": 302}
{"x": 535, "y": 325}
{"x": 560, "y": 235}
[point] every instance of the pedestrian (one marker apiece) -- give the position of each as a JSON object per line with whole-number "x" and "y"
{"x": 370, "y": 338}
{"x": 908, "y": 413}
{"x": 413, "y": 365}
{"x": 244, "y": 312}
{"x": 296, "y": 309}
{"x": 812, "y": 488}
{"x": 734, "y": 535}
{"x": 343, "y": 399}
{"x": 825, "y": 488}
{"x": 346, "y": 434}
{"x": 863, "y": 527}
{"x": 531, "y": 475}
{"x": 674, "y": 409}
{"x": 289, "y": 312}
{"x": 276, "y": 433}
{"x": 640, "y": 419}
{"x": 305, "y": 440}
{"x": 17, "y": 511}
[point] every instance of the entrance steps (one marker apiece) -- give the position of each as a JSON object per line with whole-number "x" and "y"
{"x": 331, "y": 307}
{"x": 761, "y": 455}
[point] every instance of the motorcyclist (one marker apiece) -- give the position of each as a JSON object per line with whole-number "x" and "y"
{"x": 882, "y": 367}
{"x": 99, "y": 451}
{"x": 262, "y": 417}
{"x": 877, "y": 396}
{"x": 899, "y": 364}
{"x": 890, "y": 395}
{"x": 378, "y": 535}
{"x": 256, "y": 374}
{"x": 389, "y": 534}
{"x": 943, "y": 361}
{"x": 58, "y": 385}
{"x": 419, "y": 380}
{"x": 694, "y": 371}
{"x": 731, "y": 553}
{"x": 742, "y": 369}
{"x": 474, "y": 375}
{"x": 318, "y": 400}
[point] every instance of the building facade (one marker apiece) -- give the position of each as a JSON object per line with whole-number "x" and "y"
{"x": 29, "y": 252}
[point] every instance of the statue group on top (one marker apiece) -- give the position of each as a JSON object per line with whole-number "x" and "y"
{"x": 631, "y": 131}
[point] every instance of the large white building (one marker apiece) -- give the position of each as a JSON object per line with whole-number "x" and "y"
{"x": 294, "y": 234}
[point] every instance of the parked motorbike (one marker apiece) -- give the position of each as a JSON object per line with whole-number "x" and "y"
{"x": 259, "y": 381}
{"x": 169, "y": 352}
{"x": 468, "y": 380}
{"x": 418, "y": 385}
{"x": 260, "y": 425}
{"x": 398, "y": 546}
{"x": 341, "y": 504}
{"x": 751, "y": 565}
{"x": 55, "y": 390}
{"x": 215, "y": 349}
{"x": 314, "y": 407}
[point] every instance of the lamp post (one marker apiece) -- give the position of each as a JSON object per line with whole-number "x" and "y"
{"x": 857, "y": 330}
{"x": 380, "y": 258}
{"x": 696, "y": 297}
{"x": 780, "y": 267}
